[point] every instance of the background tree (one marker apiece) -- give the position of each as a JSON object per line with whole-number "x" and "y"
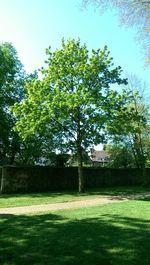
{"x": 139, "y": 138}
{"x": 11, "y": 91}
{"x": 131, "y": 13}
{"x": 73, "y": 99}
{"x": 132, "y": 133}
{"x": 12, "y": 80}
{"x": 120, "y": 155}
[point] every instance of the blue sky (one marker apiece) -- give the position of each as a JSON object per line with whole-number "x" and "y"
{"x": 33, "y": 25}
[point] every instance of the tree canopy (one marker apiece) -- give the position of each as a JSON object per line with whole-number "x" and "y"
{"x": 12, "y": 81}
{"x": 11, "y": 91}
{"x": 131, "y": 135}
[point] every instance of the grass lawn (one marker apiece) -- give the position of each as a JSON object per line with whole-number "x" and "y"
{"x": 114, "y": 234}
{"x": 54, "y": 197}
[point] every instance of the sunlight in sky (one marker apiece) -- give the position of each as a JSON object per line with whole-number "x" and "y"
{"x": 33, "y": 25}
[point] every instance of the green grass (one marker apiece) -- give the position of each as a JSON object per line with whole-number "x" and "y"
{"x": 13, "y": 200}
{"x": 114, "y": 234}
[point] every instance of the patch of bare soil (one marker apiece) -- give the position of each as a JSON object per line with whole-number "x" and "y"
{"x": 71, "y": 205}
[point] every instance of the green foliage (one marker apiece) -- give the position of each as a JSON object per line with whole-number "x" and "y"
{"x": 120, "y": 156}
{"x": 130, "y": 132}
{"x": 12, "y": 80}
{"x": 11, "y": 91}
{"x": 73, "y": 100}
{"x": 73, "y": 96}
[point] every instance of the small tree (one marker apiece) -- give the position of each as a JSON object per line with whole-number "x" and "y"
{"x": 73, "y": 100}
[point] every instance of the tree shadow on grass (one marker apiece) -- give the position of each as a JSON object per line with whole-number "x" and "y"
{"x": 52, "y": 239}
{"x": 144, "y": 198}
{"x": 108, "y": 191}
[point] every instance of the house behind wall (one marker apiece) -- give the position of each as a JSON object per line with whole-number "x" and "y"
{"x": 99, "y": 158}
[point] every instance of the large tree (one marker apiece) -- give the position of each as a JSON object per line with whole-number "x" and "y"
{"x": 73, "y": 100}
{"x": 11, "y": 90}
{"x": 12, "y": 80}
{"x": 134, "y": 13}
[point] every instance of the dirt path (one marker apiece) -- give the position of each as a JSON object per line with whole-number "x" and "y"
{"x": 56, "y": 206}
{"x": 70, "y": 205}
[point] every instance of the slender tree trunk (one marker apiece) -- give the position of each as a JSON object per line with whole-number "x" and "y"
{"x": 140, "y": 148}
{"x": 140, "y": 157}
{"x": 80, "y": 170}
{"x": 142, "y": 160}
{"x": 2, "y": 180}
{"x": 79, "y": 154}
{"x": 144, "y": 176}
{"x": 12, "y": 158}
{"x": 132, "y": 144}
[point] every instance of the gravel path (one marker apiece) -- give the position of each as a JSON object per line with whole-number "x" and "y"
{"x": 69, "y": 205}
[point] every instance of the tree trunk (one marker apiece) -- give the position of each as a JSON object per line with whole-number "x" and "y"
{"x": 80, "y": 171}
{"x": 144, "y": 175}
{"x": 12, "y": 159}
{"x": 2, "y": 180}
{"x": 79, "y": 153}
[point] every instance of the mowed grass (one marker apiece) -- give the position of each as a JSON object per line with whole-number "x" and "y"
{"x": 14, "y": 200}
{"x": 114, "y": 234}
